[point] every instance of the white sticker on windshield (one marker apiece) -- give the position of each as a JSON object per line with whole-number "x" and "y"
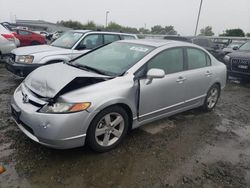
{"x": 139, "y": 49}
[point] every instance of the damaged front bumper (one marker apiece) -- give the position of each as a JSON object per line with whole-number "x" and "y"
{"x": 20, "y": 69}
{"x": 61, "y": 131}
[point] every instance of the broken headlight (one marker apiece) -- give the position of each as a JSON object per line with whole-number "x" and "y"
{"x": 61, "y": 107}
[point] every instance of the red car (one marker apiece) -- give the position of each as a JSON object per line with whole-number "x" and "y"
{"x": 28, "y": 38}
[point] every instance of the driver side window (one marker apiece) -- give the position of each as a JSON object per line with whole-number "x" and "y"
{"x": 171, "y": 61}
{"x": 92, "y": 41}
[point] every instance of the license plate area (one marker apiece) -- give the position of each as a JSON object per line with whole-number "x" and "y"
{"x": 243, "y": 66}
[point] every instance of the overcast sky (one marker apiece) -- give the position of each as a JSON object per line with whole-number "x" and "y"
{"x": 182, "y": 14}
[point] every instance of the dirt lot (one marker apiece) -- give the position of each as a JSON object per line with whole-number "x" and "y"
{"x": 193, "y": 149}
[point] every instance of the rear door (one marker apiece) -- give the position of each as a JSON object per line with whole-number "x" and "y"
{"x": 198, "y": 76}
{"x": 166, "y": 94}
{"x": 109, "y": 38}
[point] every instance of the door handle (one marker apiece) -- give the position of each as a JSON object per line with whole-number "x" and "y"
{"x": 208, "y": 74}
{"x": 180, "y": 79}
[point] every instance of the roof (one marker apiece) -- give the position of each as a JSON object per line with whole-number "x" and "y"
{"x": 103, "y": 32}
{"x": 155, "y": 42}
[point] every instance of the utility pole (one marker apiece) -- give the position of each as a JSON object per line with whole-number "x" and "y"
{"x": 107, "y": 12}
{"x": 198, "y": 18}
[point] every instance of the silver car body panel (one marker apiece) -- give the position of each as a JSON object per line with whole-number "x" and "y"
{"x": 69, "y": 130}
{"x": 6, "y": 46}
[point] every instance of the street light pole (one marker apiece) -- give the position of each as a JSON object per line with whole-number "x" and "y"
{"x": 198, "y": 18}
{"x": 107, "y": 12}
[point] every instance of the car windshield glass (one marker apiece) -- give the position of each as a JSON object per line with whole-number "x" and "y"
{"x": 114, "y": 59}
{"x": 245, "y": 46}
{"x": 67, "y": 40}
{"x": 234, "y": 44}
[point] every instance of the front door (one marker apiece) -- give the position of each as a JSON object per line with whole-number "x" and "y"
{"x": 166, "y": 94}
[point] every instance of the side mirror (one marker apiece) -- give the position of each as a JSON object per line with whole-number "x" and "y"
{"x": 154, "y": 73}
{"x": 235, "y": 48}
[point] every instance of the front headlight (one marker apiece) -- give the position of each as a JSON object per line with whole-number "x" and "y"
{"x": 65, "y": 107}
{"x": 227, "y": 58}
{"x": 24, "y": 59}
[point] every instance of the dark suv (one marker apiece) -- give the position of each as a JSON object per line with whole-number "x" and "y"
{"x": 238, "y": 62}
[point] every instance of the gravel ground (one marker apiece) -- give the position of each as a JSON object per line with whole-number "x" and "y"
{"x": 192, "y": 149}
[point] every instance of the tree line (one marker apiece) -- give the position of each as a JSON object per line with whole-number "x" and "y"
{"x": 115, "y": 27}
{"x": 157, "y": 29}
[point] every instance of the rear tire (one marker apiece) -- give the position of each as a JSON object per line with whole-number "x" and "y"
{"x": 212, "y": 97}
{"x": 108, "y": 129}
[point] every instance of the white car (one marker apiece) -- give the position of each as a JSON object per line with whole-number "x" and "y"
{"x": 67, "y": 47}
{"x": 8, "y": 42}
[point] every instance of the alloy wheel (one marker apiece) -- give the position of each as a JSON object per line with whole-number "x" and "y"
{"x": 109, "y": 129}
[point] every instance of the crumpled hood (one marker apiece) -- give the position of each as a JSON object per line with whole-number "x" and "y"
{"x": 240, "y": 54}
{"x": 47, "y": 81}
{"x": 31, "y": 50}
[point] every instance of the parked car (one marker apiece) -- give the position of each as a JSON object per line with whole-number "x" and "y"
{"x": 99, "y": 96}
{"x": 68, "y": 46}
{"x": 29, "y": 38}
{"x": 46, "y": 34}
{"x": 232, "y": 46}
{"x": 7, "y": 41}
{"x": 56, "y": 35}
{"x": 238, "y": 62}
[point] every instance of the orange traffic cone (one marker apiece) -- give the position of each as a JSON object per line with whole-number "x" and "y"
{"x": 2, "y": 169}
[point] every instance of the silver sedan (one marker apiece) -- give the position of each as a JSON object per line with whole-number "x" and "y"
{"x": 98, "y": 97}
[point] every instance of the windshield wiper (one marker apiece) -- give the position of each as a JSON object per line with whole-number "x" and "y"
{"x": 87, "y": 68}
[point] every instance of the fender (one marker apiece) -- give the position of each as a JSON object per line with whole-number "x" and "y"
{"x": 58, "y": 58}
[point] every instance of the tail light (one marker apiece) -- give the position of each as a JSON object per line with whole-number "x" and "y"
{"x": 9, "y": 37}
{"x": 14, "y": 33}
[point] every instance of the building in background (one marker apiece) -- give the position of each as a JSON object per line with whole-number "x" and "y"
{"x": 40, "y": 25}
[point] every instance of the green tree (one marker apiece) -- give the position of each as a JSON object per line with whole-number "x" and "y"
{"x": 207, "y": 31}
{"x": 233, "y": 33}
{"x": 167, "y": 30}
{"x": 248, "y": 34}
{"x": 71, "y": 24}
{"x": 170, "y": 30}
{"x": 144, "y": 31}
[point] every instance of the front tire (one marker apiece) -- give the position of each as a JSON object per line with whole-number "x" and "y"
{"x": 212, "y": 97}
{"x": 108, "y": 129}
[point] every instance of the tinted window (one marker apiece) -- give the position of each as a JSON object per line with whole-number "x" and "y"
{"x": 21, "y": 32}
{"x": 197, "y": 58}
{"x": 110, "y": 38}
{"x": 170, "y": 61}
{"x": 92, "y": 41}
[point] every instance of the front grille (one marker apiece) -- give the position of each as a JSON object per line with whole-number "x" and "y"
{"x": 241, "y": 65}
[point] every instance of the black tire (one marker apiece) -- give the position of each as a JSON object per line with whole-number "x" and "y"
{"x": 92, "y": 140}
{"x": 207, "y": 105}
{"x": 35, "y": 43}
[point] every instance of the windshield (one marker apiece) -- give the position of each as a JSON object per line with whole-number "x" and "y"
{"x": 245, "y": 46}
{"x": 233, "y": 44}
{"x": 67, "y": 40}
{"x": 114, "y": 59}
